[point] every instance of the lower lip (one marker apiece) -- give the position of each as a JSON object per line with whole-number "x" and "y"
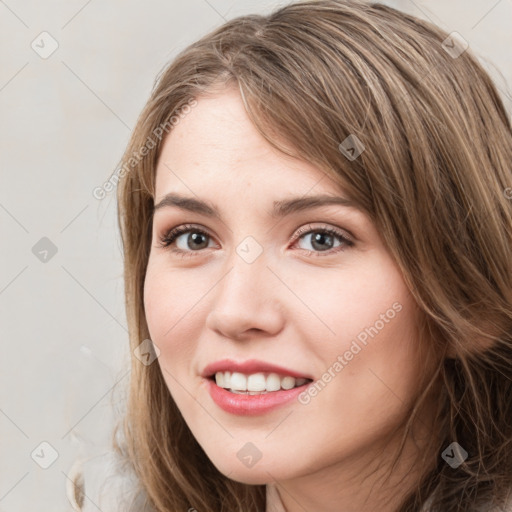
{"x": 251, "y": 405}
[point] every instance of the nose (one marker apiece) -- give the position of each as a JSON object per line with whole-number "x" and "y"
{"x": 247, "y": 301}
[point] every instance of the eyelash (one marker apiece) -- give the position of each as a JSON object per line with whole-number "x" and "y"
{"x": 170, "y": 236}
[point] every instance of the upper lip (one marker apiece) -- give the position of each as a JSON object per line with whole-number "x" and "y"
{"x": 249, "y": 367}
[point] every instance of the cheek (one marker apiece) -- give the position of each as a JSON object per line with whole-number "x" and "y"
{"x": 172, "y": 325}
{"x": 167, "y": 305}
{"x": 362, "y": 302}
{"x": 372, "y": 346}
{"x": 156, "y": 301}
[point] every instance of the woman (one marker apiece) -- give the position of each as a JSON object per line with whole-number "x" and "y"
{"x": 274, "y": 372}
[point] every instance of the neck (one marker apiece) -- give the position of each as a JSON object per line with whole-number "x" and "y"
{"x": 363, "y": 482}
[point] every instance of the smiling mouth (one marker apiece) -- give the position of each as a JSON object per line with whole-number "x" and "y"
{"x": 260, "y": 383}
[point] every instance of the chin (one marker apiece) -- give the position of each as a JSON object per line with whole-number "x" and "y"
{"x": 248, "y": 477}
{"x": 260, "y": 473}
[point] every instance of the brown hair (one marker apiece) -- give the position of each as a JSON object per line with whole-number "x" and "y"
{"x": 433, "y": 178}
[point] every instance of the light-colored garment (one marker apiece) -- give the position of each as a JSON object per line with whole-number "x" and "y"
{"x": 108, "y": 486}
{"x": 274, "y": 503}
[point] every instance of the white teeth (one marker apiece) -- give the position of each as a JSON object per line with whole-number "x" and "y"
{"x": 219, "y": 379}
{"x": 288, "y": 382}
{"x": 238, "y": 382}
{"x": 273, "y": 382}
{"x": 256, "y": 383}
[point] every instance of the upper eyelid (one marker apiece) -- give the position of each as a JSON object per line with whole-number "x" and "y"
{"x": 296, "y": 234}
{"x": 326, "y": 227}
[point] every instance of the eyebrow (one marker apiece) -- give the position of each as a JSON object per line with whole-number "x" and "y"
{"x": 280, "y": 208}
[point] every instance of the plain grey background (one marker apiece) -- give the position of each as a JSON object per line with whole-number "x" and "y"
{"x": 65, "y": 118}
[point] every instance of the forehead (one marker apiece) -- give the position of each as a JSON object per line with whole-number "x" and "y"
{"x": 215, "y": 163}
{"x": 216, "y": 145}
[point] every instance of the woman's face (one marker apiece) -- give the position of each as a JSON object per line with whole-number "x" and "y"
{"x": 273, "y": 286}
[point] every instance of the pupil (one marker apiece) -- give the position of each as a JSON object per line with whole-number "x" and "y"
{"x": 196, "y": 237}
{"x": 320, "y": 237}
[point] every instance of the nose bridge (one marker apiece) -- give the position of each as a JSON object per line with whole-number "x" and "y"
{"x": 247, "y": 272}
{"x": 245, "y": 298}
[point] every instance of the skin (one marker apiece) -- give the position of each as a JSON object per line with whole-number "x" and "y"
{"x": 288, "y": 307}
